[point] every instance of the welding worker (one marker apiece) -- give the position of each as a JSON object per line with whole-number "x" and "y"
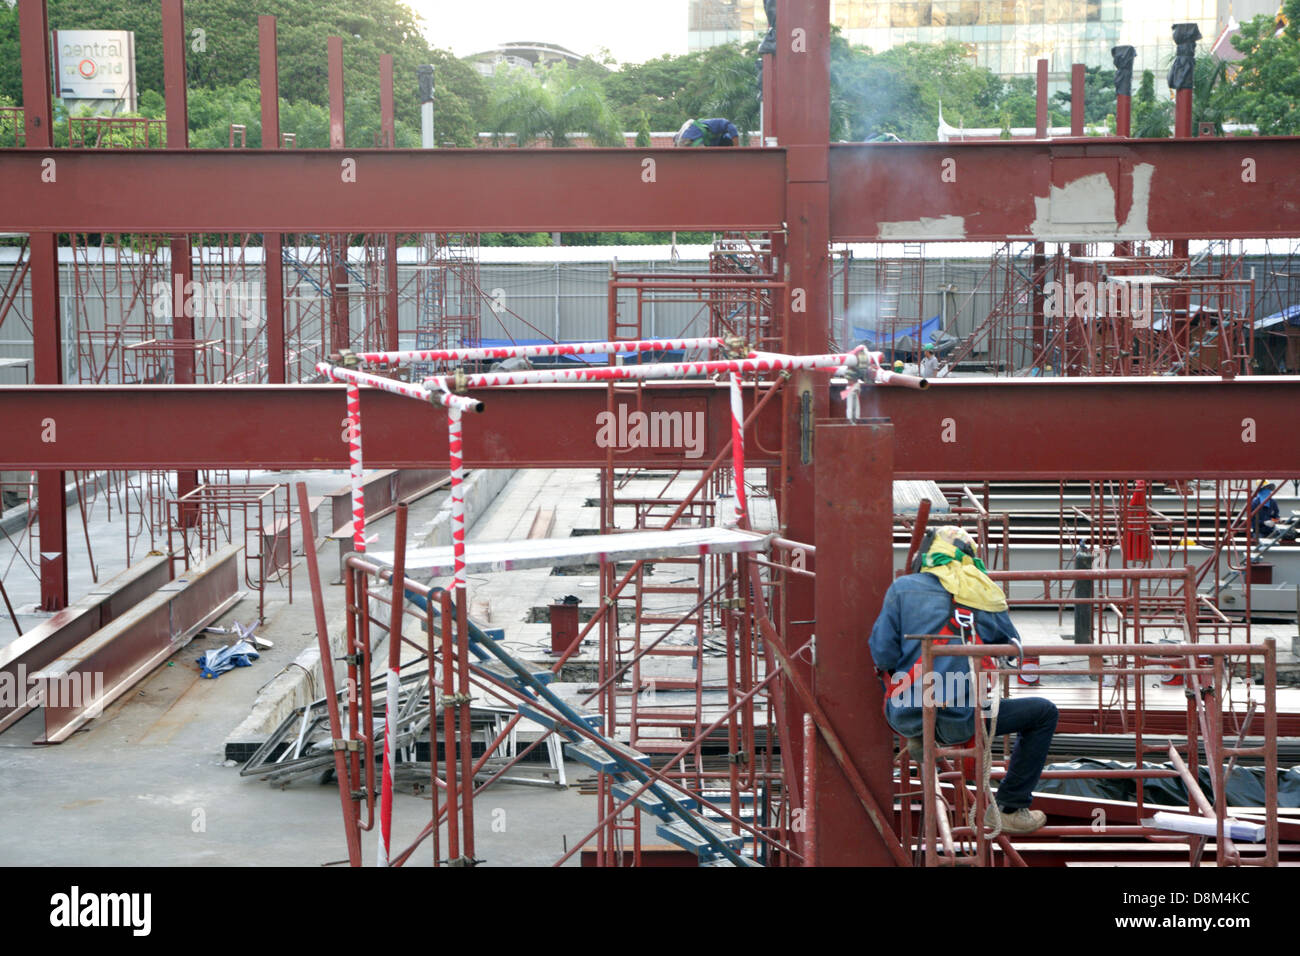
{"x": 1264, "y": 511}
{"x": 709, "y": 132}
{"x": 949, "y": 592}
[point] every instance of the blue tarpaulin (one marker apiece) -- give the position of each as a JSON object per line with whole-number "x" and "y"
{"x": 907, "y": 339}
{"x": 1290, "y": 316}
{"x": 214, "y": 663}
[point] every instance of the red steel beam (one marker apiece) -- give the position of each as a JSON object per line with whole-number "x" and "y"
{"x": 47, "y": 338}
{"x": 803, "y": 105}
{"x": 334, "y": 54}
{"x": 443, "y": 190}
{"x": 301, "y": 426}
{"x": 388, "y": 129}
{"x": 1078, "y": 98}
{"x": 985, "y": 428}
{"x": 1062, "y": 190}
{"x": 340, "y": 312}
{"x": 1067, "y": 190}
{"x": 854, "y": 509}
{"x": 1091, "y": 427}
{"x": 182, "y": 266}
{"x": 272, "y": 242}
{"x": 1040, "y": 101}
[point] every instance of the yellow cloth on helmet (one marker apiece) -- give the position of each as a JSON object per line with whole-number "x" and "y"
{"x": 961, "y": 575}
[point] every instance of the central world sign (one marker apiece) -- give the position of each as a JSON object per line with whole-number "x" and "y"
{"x": 95, "y": 65}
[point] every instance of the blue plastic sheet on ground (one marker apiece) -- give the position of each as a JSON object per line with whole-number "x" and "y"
{"x": 214, "y": 663}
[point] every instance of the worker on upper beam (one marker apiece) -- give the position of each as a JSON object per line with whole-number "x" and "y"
{"x": 709, "y": 132}
{"x": 949, "y": 593}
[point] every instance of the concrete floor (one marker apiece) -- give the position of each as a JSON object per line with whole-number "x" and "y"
{"x": 147, "y": 783}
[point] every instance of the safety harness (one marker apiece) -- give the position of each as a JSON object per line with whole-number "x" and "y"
{"x": 960, "y": 629}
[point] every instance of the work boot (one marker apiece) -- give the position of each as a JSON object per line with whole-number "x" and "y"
{"x": 1023, "y": 820}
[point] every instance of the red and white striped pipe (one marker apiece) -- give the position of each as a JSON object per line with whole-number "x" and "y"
{"x": 393, "y": 687}
{"x": 524, "y": 351}
{"x": 754, "y": 362}
{"x": 355, "y": 469}
{"x": 353, "y": 377}
{"x": 738, "y": 450}
{"x": 418, "y": 391}
{"x": 456, "y": 462}
{"x": 392, "y": 690}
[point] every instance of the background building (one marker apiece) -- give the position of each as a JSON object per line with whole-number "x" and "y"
{"x": 526, "y": 54}
{"x": 1006, "y": 36}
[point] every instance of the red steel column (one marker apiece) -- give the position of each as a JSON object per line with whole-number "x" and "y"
{"x": 178, "y": 137}
{"x": 182, "y": 273}
{"x": 1078, "y": 97}
{"x": 1040, "y": 104}
{"x": 1040, "y": 249}
{"x": 769, "y": 98}
{"x": 855, "y": 559}
{"x": 47, "y": 318}
{"x": 272, "y": 242}
{"x": 1181, "y": 247}
{"x": 803, "y": 105}
{"x": 340, "y": 330}
{"x": 389, "y": 128}
{"x": 1078, "y": 86}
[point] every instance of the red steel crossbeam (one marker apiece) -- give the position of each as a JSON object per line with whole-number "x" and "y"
{"x": 1066, "y": 190}
{"x": 977, "y": 428}
{"x": 1063, "y": 190}
{"x": 444, "y": 190}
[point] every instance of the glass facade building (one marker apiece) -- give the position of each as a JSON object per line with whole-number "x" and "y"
{"x": 1006, "y": 36}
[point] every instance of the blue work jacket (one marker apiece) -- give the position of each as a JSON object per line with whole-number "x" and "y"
{"x": 919, "y": 604}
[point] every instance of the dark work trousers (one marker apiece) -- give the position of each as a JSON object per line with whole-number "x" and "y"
{"x": 1034, "y": 720}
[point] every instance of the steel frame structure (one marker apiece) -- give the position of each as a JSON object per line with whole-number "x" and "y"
{"x": 832, "y": 475}
{"x": 1204, "y": 667}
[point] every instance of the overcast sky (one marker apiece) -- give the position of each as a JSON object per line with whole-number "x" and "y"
{"x": 633, "y": 30}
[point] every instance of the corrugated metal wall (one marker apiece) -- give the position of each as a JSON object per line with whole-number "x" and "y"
{"x": 563, "y": 300}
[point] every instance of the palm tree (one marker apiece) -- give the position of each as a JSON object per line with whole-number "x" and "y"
{"x": 551, "y": 106}
{"x": 1209, "y": 85}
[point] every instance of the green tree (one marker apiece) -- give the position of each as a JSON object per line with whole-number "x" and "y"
{"x": 551, "y": 106}
{"x": 1098, "y": 96}
{"x": 1151, "y": 118}
{"x": 654, "y": 88}
{"x": 900, "y": 90}
{"x": 225, "y": 52}
{"x": 643, "y": 140}
{"x": 1265, "y": 86}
